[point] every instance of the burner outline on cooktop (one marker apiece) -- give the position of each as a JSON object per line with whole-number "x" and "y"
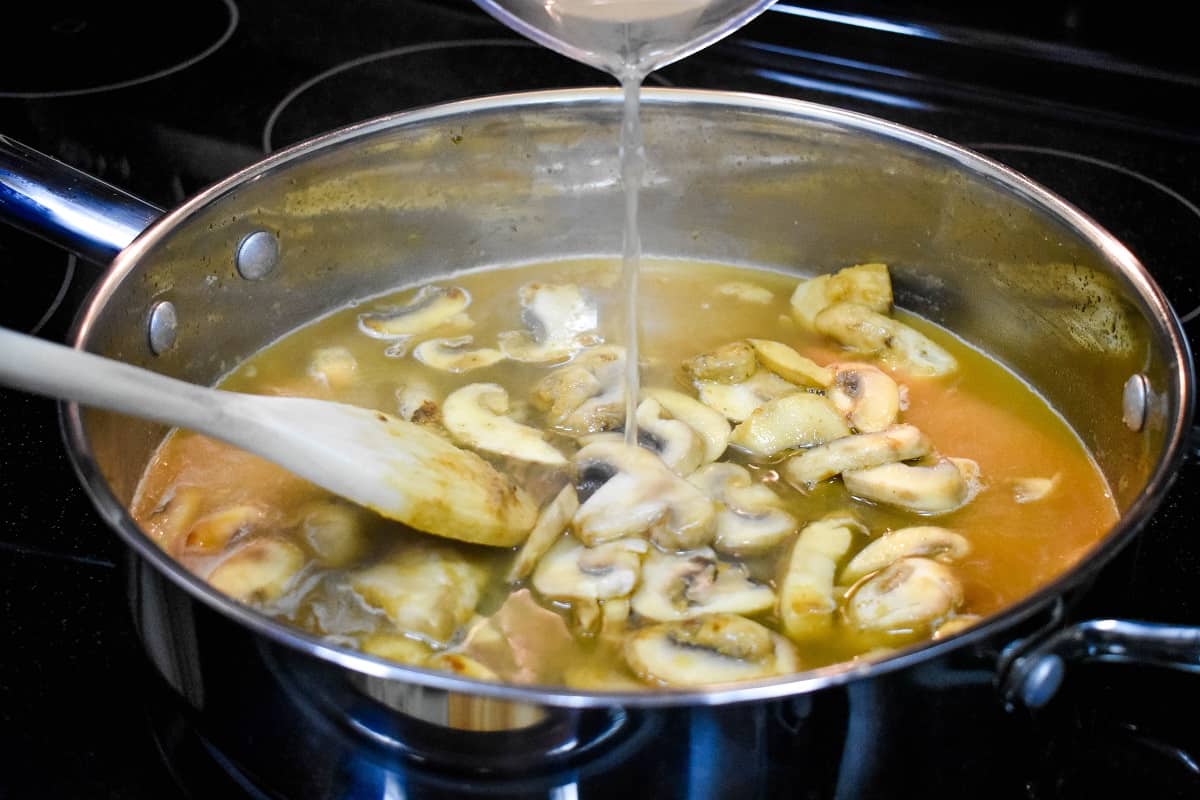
{"x": 397, "y": 52}
{"x": 234, "y": 17}
{"x": 1099, "y": 162}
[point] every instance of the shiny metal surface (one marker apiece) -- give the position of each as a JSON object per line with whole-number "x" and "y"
{"x": 52, "y": 200}
{"x": 257, "y": 255}
{"x": 1135, "y": 401}
{"x": 161, "y": 326}
{"x": 780, "y": 184}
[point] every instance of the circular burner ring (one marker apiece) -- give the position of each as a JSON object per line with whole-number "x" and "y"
{"x": 232, "y": 24}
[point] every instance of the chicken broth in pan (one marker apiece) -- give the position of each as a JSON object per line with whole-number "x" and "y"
{"x": 820, "y": 477}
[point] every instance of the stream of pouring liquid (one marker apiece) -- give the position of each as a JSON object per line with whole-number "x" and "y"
{"x": 633, "y": 167}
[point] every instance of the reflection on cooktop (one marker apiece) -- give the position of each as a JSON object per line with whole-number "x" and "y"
{"x": 122, "y": 43}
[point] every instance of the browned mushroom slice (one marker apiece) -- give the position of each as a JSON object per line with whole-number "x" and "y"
{"x": 553, "y": 520}
{"x": 334, "y": 531}
{"x": 806, "y": 593}
{"x": 213, "y": 532}
{"x": 678, "y": 586}
{"x": 476, "y": 417}
{"x": 423, "y": 588}
{"x": 737, "y": 401}
{"x": 866, "y": 395}
{"x": 730, "y": 363}
{"x": 750, "y": 517}
{"x": 259, "y": 571}
{"x": 863, "y": 451}
{"x": 926, "y": 541}
{"x": 868, "y": 285}
{"x": 586, "y": 395}
{"x": 788, "y": 364}
{"x": 911, "y": 594}
{"x": 798, "y": 420}
{"x": 864, "y": 331}
{"x": 941, "y": 487}
{"x": 640, "y": 496}
{"x": 431, "y": 308}
{"x": 708, "y": 650}
{"x": 453, "y": 355}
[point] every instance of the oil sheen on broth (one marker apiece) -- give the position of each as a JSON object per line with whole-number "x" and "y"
{"x": 727, "y": 547}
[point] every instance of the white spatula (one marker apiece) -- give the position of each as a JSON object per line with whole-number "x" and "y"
{"x": 385, "y": 463}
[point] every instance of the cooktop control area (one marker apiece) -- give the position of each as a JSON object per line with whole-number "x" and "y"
{"x": 164, "y": 99}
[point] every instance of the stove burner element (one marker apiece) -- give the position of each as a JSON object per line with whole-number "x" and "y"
{"x": 1153, "y": 220}
{"x": 35, "y": 283}
{"x": 64, "y": 48}
{"x": 418, "y": 75}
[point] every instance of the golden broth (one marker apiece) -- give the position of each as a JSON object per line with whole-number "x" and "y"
{"x": 981, "y": 412}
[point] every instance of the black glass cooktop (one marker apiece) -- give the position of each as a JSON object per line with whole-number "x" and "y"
{"x": 1097, "y": 102}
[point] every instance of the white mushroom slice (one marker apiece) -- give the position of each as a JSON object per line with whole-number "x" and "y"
{"x": 571, "y": 571}
{"x": 451, "y": 355}
{"x": 679, "y": 447}
{"x": 213, "y": 531}
{"x": 1031, "y": 490}
{"x": 865, "y": 331}
{"x": 713, "y": 649}
{"x": 750, "y": 517}
{"x": 788, "y": 364}
{"x": 258, "y": 571}
{"x": 416, "y": 402}
{"x": 333, "y": 366}
{"x": 910, "y": 594}
{"x": 475, "y": 417}
{"x": 430, "y": 308}
{"x": 587, "y": 395}
{"x": 731, "y": 363}
{"x": 862, "y": 451}
{"x": 798, "y": 420}
{"x": 461, "y": 665}
{"x": 866, "y": 284}
{"x": 711, "y": 426}
{"x": 552, "y": 522}
{"x": 866, "y": 395}
{"x": 746, "y": 292}
{"x": 926, "y": 541}
{"x": 737, "y": 401}
{"x": 334, "y": 531}
{"x": 558, "y": 317}
{"x": 425, "y": 589}
{"x": 678, "y": 586}
{"x": 640, "y": 496}
{"x": 806, "y": 601}
{"x": 943, "y": 486}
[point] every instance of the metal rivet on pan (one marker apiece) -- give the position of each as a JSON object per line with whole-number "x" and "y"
{"x": 1134, "y": 401}
{"x": 1042, "y": 680}
{"x": 257, "y": 254}
{"x": 163, "y": 325}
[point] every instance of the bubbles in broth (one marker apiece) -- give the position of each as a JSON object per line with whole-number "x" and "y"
{"x": 817, "y": 478}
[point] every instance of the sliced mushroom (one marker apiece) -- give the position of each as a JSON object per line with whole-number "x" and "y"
{"x": 333, "y": 366}
{"x": 938, "y": 488}
{"x": 746, "y": 292}
{"x": 678, "y": 586}
{"x": 679, "y": 447}
{"x": 559, "y": 317}
{"x": 426, "y": 589}
{"x": 910, "y": 594}
{"x": 641, "y": 497}
{"x": 862, "y": 451}
{"x": 750, "y": 517}
{"x": 259, "y": 571}
{"x": 955, "y": 625}
{"x": 711, "y": 426}
{"x": 571, "y": 571}
{"x": 867, "y": 332}
{"x": 925, "y": 541}
{"x": 452, "y": 355}
{"x": 868, "y": 285}
{"x": 788, "y": 364}
{"x": 461, "y": 665}
{"x": 806, "y": 599}
{"x": 798, "y": 420}
{"x": 416, "y": 402}
{"x": 707, "y": 650}
{"x": 866, "y": 395}
{"x": 731, "y": 363}
{"x": 552, "y": 522}
{"x": 175, "y": 517}
{"x": 430, "y": 308}
{"x": 475, "y": 416}
{"x": 587, "y": 395}
{"x": 213, "y": 531}
{"x": 1031, "y": 490}
{"x": 397, "y": 647}
{"x": 737, "y": 401}
{"x": 334, "y": 531}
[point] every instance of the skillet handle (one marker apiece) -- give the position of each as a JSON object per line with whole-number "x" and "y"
{"x": 43, "y": 196}
{"x": 1034, "y": 676}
